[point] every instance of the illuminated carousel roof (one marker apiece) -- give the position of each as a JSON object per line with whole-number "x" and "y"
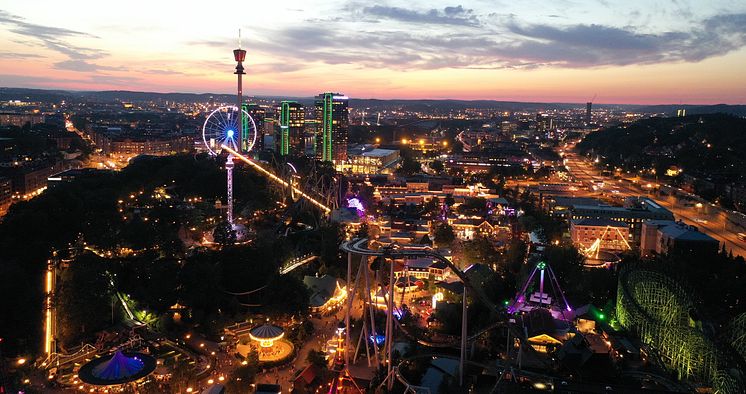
{"x": 267, "y": 331}
{"x": 119, "y": 368}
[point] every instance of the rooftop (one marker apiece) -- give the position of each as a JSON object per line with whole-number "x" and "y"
{"x": 378, "y": 152}
{"x": 321, "y": 288}
{"x": 680, "y": 230}
{"x": 599, "y": 223}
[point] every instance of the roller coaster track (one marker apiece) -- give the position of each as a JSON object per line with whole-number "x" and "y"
{"x": 656, "y": 306}
{"x": 356, "y": 247}
{"x": 274, "y": 178}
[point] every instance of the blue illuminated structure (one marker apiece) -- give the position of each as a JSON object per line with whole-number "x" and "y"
{"x": 377, "y": 339}
{"x": 118, "y": 369}
{"x": 220, "y": 128}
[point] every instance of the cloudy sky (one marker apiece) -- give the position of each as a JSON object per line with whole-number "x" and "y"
{"x": 632, "y": 51}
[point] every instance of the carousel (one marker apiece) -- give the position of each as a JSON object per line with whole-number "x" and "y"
{"x": 273, "y": 346}
{"x": 121, "y": 368}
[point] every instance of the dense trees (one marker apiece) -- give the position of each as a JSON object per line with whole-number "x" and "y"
{"x": 717, "y": 280}
{"x": 84, "y": 299}
{"x": 473, "y": 206}
{"x": 409, "y": 164}
{"x": 88, "y": 210}
{"x": 444, "y": 235}
{"x": 478, "y": 250}
{"x": 437, "y": 166}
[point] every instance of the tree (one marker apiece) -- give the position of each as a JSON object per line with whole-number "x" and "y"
{"x": 182, "y": 375}
{"x": 473, "y": 205}
{"x": 84, "y": 299}
{"x": 478, "y": 250}
{"x": 432, "y": 206}
{"x": 149, "y": 280}
{"x": 437, "y": 166}
{"x": 444, "y": 235}
{"x": 200, "y": 286}
{"x": 316, "y": 358}
{"x": 457, "y": 147}
{"x": 242, "y": 377}
{"x": 409, "y": 165}
{"x": 224, "y": 234}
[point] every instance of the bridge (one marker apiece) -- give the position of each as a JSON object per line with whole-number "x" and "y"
{"x": 297, "y": 262}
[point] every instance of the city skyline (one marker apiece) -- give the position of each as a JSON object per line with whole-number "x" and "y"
{"x": 327, "y": 211}
{"x": 640, "y": 52}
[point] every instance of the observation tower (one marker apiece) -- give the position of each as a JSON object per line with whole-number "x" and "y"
{"x": 232, "y": 129}
{"x": 239, "y": 55}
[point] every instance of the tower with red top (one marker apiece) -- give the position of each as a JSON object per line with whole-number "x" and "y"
{"x": 240, "y": 55}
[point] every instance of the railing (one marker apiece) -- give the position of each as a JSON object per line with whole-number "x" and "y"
{"x": 57, "y": 359}
{"x": 297, "y": 262}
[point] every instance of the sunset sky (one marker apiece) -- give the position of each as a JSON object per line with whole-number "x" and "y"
{"x": 635, "y": 51}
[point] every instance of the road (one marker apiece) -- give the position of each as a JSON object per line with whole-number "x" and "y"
{"x": 96, "y": 159}
{"x": 707, "y": 217}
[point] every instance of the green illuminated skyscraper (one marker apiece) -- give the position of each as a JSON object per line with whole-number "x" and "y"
{"x": 331, "y": 141}
{"x": 291, "y": 122}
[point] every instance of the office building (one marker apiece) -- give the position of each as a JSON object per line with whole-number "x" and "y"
{"x": 611, "y": 234}
{"x": 30, "y": 180}
{"x": 365, "y": 159}
{"x": 313, "y": 129}
{"x": 20, "y": 120}
{"x": 634, "y": 213}
{"x": 333, "y": 113}
{"x": 258, "y": 114}
{"x": 291, "y": 121}
{"x": 662, "y": 236}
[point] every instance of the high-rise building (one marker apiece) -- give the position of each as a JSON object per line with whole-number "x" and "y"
{"x": 258, "y": 114}
{"x": 313, "y": 129}
{"x": 333, "y": 114}
{"x": 588, "y": 106}
{"x": 291, "y": 120}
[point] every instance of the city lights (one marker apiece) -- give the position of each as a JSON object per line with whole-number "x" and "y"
{"x": 277, "y": 179}
{"x": 291, "y": 237}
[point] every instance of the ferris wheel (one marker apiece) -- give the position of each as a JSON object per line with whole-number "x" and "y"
{"x": 223, "y": 127}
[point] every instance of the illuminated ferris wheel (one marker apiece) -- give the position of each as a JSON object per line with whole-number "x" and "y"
{"x": 223, "y": 127}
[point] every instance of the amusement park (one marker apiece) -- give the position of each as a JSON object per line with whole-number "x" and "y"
{"x": 231, "y": 270}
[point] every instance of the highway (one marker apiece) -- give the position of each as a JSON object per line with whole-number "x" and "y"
{"x": 707, "y": 217}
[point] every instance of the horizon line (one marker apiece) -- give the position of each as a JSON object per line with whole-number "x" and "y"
{"x": 372, "y": 98}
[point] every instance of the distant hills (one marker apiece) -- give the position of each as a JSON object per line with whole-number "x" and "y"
{"x": 373, "y": 104}
{"x": 707, "y": 145}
